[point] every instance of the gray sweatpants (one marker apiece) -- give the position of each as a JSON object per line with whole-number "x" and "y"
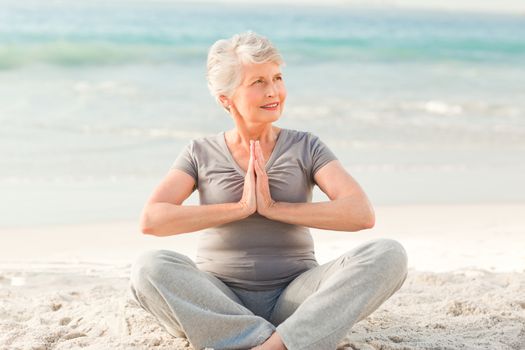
{"x": 313, "y": 312}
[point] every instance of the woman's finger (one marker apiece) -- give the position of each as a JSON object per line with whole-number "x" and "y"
{"x": 259, "y": 150}
{"x": 257, "y": 167}
{"x": 259, "y": 154}
{"x": 252, "y": 156}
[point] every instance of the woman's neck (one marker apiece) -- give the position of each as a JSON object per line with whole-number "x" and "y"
{"x": 266, "y": 134}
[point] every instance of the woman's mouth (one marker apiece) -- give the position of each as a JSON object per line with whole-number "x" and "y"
{"x": 271, "y": 106}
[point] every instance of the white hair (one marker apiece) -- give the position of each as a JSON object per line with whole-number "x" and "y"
{"x": 226, "y": 56}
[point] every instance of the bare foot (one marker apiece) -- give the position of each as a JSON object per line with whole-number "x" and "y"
{"x": 272, "y": 343}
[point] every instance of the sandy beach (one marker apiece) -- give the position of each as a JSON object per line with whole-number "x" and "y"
{"x": 67, "y": 287}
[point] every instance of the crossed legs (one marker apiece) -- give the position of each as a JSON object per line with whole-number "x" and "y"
{"x": 315, "y": 311}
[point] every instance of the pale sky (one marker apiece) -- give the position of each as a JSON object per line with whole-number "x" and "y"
{"x": 494, "y": 6}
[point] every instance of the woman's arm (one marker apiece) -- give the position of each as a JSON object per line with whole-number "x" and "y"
{"x": 164, "y": 214}
{"x": 348, "y": 209}
{"x": 166, "y": 219}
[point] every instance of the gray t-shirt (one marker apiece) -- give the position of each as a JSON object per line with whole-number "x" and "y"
{"x": 255, "y": 253}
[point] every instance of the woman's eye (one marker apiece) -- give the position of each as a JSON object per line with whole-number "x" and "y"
{"x": 258, "y": 81}
{"x": 279, "y": 78}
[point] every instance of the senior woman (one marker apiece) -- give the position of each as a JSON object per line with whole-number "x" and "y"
{"x": 256, "y": 283}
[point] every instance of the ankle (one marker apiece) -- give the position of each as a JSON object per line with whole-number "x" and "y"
{"x": 274, "y": 343}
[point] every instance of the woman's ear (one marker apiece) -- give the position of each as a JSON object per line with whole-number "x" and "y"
{"x": 225, "y": 102}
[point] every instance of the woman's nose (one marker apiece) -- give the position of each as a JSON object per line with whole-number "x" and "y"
{"x": 270, "y": 91}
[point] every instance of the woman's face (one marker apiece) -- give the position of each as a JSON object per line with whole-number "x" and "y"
{"x": 261, "y": 94}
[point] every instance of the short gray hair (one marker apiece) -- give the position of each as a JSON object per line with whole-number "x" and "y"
{"x": 226, "y": 56}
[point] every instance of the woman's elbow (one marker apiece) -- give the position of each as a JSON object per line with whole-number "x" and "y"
{"x": 370, "y": 219}
{"x": 361, "y": 217}
{"x": 147, "y": 230}
{"x": 367, "y": 218}
{"x": 146, "y": 226}
{"x": 369, "y": 223}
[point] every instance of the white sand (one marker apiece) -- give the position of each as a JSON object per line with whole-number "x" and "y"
{"x": 67, "y": 287}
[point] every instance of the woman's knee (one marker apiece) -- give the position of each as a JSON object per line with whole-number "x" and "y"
{"x": 385, "y": 252}
{"x": 392, "y": 253}
{"x": 150, "y": 266}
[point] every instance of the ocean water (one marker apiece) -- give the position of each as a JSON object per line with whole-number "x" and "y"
{"x": 98, "y": 98}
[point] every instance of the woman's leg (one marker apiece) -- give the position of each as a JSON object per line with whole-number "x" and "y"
{"x": 194, "y": 304}
{"x": 321, "y": 305}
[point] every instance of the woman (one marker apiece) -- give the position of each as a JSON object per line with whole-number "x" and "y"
{"x": 256, "y": 283}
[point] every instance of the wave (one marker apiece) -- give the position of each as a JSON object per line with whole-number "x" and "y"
{"x": 75, "y": 54}
{"x": 70, "y": 54}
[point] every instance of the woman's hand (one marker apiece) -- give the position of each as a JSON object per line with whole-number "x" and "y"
{"x": 264, "y": 197}
{"x": 248, "y": 199}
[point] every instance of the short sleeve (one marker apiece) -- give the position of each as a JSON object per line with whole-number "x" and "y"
{"x": 320, "y": 153}
{"x": 185, "y": 161}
